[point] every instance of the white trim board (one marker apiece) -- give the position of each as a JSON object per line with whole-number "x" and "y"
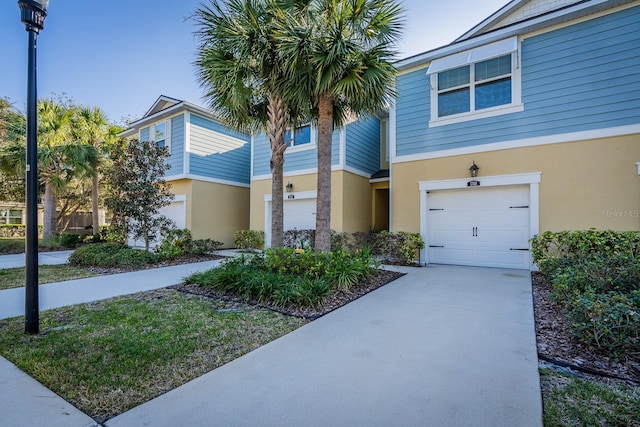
{"x": 334, "y": 168}
{"x": 206, "y": 179}
{"x": 532, "y": 179}
{"x": 521, "y": 143}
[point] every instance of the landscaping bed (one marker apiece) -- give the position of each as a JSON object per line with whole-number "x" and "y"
{"x": 330, "y": 303}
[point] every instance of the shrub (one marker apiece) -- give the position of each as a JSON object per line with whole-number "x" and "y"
{"x": 249, "y": 239}
{"x": 301, "y": 239}
{"x": 608, "y": 321}
{"x": 178, "y": 242}
{"x": 111, "y": 255}
{"x": 15, "y": 230}
{"x": 70, "y": 240}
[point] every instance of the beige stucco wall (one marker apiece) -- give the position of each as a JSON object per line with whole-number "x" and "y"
{"x": 350, "y": 199}
{"x": 583, "y": 184}
{"x": 217, "y": 211}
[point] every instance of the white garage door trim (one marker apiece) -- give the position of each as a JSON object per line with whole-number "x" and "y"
{"x": 531, "y": 179}
{"x": 299, "y": 195}
{"x": 175, "y": 211}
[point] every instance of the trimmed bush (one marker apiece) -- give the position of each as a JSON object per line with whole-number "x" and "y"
{"x": 249, "y": 239}
{"x": 70, "y": 240}
{"x": 609, "y": 321}
{"x": 15, "y": 230}
{"x": 178, "y": 242}
{"x": 111, "y": 255}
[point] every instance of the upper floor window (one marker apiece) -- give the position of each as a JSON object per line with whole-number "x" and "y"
{"x": 480, "y": 83}
{"x": 299, "y": 137}
{"x": 160, "y": 133}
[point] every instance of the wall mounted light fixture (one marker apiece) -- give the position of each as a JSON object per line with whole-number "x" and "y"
{"x": 289, "y": 187}
{"x": 474, "y": 170}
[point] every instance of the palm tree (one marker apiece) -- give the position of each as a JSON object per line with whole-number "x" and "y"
{"x": 339, "y": 54}
{"x": 94, "y": 129}
{"x": 60, "y": 157}
{"x": 242, "y": 72}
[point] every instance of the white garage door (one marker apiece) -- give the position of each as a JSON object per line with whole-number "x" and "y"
{"x": 175, "y": 211}
{"x": 300, "y": 214}
{"x": 480, "y": 226}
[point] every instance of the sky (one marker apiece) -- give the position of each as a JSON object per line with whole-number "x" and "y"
{"x": 121, "y": 55}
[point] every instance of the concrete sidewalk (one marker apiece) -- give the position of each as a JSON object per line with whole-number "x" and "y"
{"x": 54, "y": 295}
{"x": 442, "y": 346}
{"x": 44, "y": 258}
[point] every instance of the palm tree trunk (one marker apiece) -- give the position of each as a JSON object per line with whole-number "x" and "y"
{"x": 323, "y": 202}
{"x": 95, "y": 217}
{"x": 50, "y": 215}
{"x": 277, "y": 122}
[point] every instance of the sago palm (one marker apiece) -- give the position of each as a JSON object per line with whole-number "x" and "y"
{"x": 339, "y": 53}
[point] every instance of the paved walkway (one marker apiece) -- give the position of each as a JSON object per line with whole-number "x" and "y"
{"x": 441, "y": 346}
{"x": 44, "y": 258}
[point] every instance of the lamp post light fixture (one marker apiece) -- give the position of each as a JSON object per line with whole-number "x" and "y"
{"x": 474, "y": 170}
{"x": 32, "y": 14}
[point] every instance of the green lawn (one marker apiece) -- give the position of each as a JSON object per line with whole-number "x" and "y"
{"x": 16, "y": 246}
{"x": 15, "y": 277}
{"x": 570, "y": 401}
{"x": 110, "y": 356}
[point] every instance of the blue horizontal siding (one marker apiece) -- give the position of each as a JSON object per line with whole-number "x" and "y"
{"x": 261, "y": 155}
{"x": 363, "y": 144}
{"x": 335, "y": 146}
{"x": 578, "y": 78}
{"x": 176, "y": 156}
{"x": 223, "y": 163}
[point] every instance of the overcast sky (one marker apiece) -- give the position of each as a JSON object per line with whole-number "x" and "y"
{"x": 121, "y": 55}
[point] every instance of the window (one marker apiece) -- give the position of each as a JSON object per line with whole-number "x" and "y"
{"x": 160, "y": 134}
{"x": 479, "y": 83}
{"x": 475, "y": 87}
{"x": 10, "y": 216}
{"x": 302, "y": 137}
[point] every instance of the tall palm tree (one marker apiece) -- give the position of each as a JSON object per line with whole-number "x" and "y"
{"x": 242, "y": 72}
{"x": 93, "y": 128}
{"x": 340, "y": 54}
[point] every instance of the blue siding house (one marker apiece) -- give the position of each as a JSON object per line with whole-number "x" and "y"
{"x": 544, "y": 97}
{"x": 210, "y": 167}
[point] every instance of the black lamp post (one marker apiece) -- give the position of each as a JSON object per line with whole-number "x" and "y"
{"x": 32, "y": 13}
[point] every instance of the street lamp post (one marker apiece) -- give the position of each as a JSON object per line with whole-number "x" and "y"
{"x": 32, "y": 13}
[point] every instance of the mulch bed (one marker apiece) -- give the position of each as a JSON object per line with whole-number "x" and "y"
{"x": 334, "y": 301}
{"x": 186, "y": 259}
{"x": 554, "y": 339}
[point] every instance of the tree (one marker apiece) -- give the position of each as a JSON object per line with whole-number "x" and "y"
{"x": 12, "y": 133}
{"x": 60, "y": 157}
{"x": 339, "y": 54}
{"x": 93, "y": 128}
{"x": 242, "y": 72}
{"x": 138, "y": 190}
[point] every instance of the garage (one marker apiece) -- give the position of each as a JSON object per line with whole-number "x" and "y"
{"x": 478, "y": 226}
{"x": 175, "y": 211}
{"x": 300, "y": 214}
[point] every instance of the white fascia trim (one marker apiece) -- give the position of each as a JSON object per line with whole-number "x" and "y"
{"x": 206, "y": 179}
{"x": 475, "y": 115}
{"x": 521, "y": 143}
{"x": 532, "y": 179}
{"x": 298, "y": 148}
{"x": 187, "y": 142}
{"x": 373, "y": 181}
{"x": 354, "y": 171}
{"x": 252, "y": 142}
{"x": 638, "y": 165}
{"x": 392, "y": 131}
{"x": 516, "y": 29}
{"x": 297, "y": 194}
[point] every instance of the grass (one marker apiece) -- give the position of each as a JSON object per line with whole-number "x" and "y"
{"x": 11, "y": 245}
{"x": 110, "y": 356}
{"x": 570, "y": 401}
{"x": 15, "y": 277}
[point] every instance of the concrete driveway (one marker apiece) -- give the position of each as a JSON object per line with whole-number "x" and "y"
{"x": 442, "y": 346}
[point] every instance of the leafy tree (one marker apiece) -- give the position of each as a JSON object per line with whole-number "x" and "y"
{"x": 138, "y": 190}
{"x": 339, "y": 55}
{"x": 243, "y": 74}
{"x": 12, "y": 131}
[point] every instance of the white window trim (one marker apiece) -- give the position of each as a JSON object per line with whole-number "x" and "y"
{"x": 515, "y": 106}
{"x": 167, "y": 139}
{"x": 304, "y": 147}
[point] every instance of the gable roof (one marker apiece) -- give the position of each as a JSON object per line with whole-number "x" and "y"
{"x": 162, "y": 103}
{"x": 515, "y": 18}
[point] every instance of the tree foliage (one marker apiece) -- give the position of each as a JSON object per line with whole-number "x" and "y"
{"x": 138, "y": 190}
